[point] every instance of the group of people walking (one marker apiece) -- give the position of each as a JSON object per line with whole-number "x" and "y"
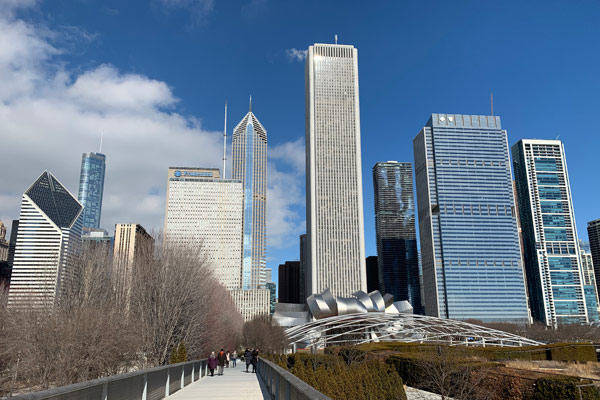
{"x": 222, "y": 360}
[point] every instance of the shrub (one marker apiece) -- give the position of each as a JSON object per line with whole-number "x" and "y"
{"x": 563, "y": 388}
{"x": 332, "y": 376}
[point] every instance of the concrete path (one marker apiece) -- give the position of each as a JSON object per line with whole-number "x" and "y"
{"x": 234, "y": 384}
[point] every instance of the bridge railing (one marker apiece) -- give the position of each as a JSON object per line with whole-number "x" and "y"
{"x": 283, "y": 385}
{"x": 149, "y": 384}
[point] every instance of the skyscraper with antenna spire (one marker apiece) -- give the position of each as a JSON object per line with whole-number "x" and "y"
{"x": 91, "y": 187}
{"x": 250, "y": 167}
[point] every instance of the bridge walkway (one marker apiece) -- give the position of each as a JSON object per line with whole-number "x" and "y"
{"x": 235, "y": 383}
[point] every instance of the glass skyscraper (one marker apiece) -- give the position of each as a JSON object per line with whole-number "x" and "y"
{"x": 589, "y": 281}
{"x": 550, "y": 245}
{"x": 250, "y": 167}
{"x": 470, "y": 248}
{"x": 91, "y": 187}
{"x": 397, "y": 256}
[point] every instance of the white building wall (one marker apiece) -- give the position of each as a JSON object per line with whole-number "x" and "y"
{"x": 334, "y": 206}
{"x": 252, "y": 303}
{"x": 206, "y": 213}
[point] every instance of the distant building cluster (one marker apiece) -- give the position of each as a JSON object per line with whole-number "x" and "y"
{"x": 490, "y": 247}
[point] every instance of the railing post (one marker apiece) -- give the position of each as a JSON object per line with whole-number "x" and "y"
{"x": 193, "y": 370}
{"x": 168, "y": 381}
{"x": 145, "y": 391}
{"x": 182, "y": 384}
{"x": 105, "y": 391}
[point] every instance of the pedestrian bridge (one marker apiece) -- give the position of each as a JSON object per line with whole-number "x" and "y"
{"x": 189, "y": 380}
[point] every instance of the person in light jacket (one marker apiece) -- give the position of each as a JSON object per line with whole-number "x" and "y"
{"x": 248, "y": 358}
{"x": 228, "y": 355}
{"x": 212, "y": 363}
{"x": 234, "y": 358}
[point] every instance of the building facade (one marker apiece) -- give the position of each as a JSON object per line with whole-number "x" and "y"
{"x": 593, "y": 228}
{"x": 131, "y": 243}
{"x": 98, "y": 241}
{"x": 272, "y": 287}
{"x": 550, "y": 243}
{"x": 589, "y": 282}
{"x": 48, "y": 241}
{"x": 303, "y": 256}
{"x": 205, "y": 213}
{"x": 289, "y": 283}
{"x": 3, "y": 243}
{"x": 372, "y": 273}
{"x": 91, "y": 187}
{"x": 397, "y": 256}
{"x": 470, "y": 251}
{"x": 334, "y": 202}
{"x": 252, "y": 303}
{"x": 250, "y": 167}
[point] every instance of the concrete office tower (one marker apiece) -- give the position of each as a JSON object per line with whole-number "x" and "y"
{"x": 589, "y": 282}
{"x": 49, "y": 239}
{"x": 593, "y": 228}
{"x": 470, "y": 249}
{"x": 252, "y": 303}
{"x": 3, "y": 242}
{"x": 91, "y": 187}
{"x": 550, "y": 246}
{"x": 131, "y": 242}
{"x": 397, "y": 256}
{"x": 205, "y": 213}
{"x": 250, "y": 167}
{"x": 334, "y": 202}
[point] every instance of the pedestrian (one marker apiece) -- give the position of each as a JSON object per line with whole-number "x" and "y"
{"x": 234, "y": 358}
{"x": 248, "y": 358}
{"x": 254, "y": 359}
{"x": 228, "y": 355}
{"x": 212, "y": 363}
{"x": 221, "y": 357}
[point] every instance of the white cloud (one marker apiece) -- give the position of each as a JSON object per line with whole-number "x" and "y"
{"x": 49, "y": 115}
{"x": 296, "y": 55}
{"x": 285, "y": 194}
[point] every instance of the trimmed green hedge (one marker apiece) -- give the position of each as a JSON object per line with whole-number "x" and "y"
{"x": 333, "y": 377}
{"x": 563, "y": 388}
{"x": 577, "y": 352}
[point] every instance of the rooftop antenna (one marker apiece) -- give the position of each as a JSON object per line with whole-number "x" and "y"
{"x": 101, "y": 137}
{"x": 492, "y": 102}
{"x": 557, "y": 137}
{"x": 225, "y": 141}
{"x": 250, "y": 107}
{"x": 336, "y": 38}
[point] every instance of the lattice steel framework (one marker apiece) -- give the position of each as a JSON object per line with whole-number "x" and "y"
{"x": 407, "y": 328}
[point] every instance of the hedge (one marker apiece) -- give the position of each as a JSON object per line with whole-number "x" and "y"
{"x": 576, "y": 352}
{"x": 563, "y": 388}
{"x": 333, "y": 377}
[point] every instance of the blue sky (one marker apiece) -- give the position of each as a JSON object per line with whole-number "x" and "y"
{"x": 186, "y": 57}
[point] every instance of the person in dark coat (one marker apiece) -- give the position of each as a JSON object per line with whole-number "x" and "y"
{"x": 254, "y": 359}
{"x": 248, "y": 358}
{"x": 212, "y": 363}
{"x": 221, "y": 359}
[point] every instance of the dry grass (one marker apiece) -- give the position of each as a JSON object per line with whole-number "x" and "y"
{"x": 589, "y": 370}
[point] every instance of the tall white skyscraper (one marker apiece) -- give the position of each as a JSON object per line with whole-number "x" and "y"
{"x": 250, "y": 167}
{"x": 334, "y": 202}
{"x": 550, "y": 244}
{"x": 205, "y": 212}
{"x": 49, "y": 238}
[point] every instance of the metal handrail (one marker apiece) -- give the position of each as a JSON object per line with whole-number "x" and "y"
{"x": 148, "y": 384}
{"x": 283, "y": 385}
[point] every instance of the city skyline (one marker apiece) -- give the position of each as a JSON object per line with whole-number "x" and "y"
{"x": 99, "y": 51}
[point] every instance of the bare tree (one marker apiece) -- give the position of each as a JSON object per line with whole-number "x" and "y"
{"x": 445, "y": 372}
{"x": 265, "y": 334}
